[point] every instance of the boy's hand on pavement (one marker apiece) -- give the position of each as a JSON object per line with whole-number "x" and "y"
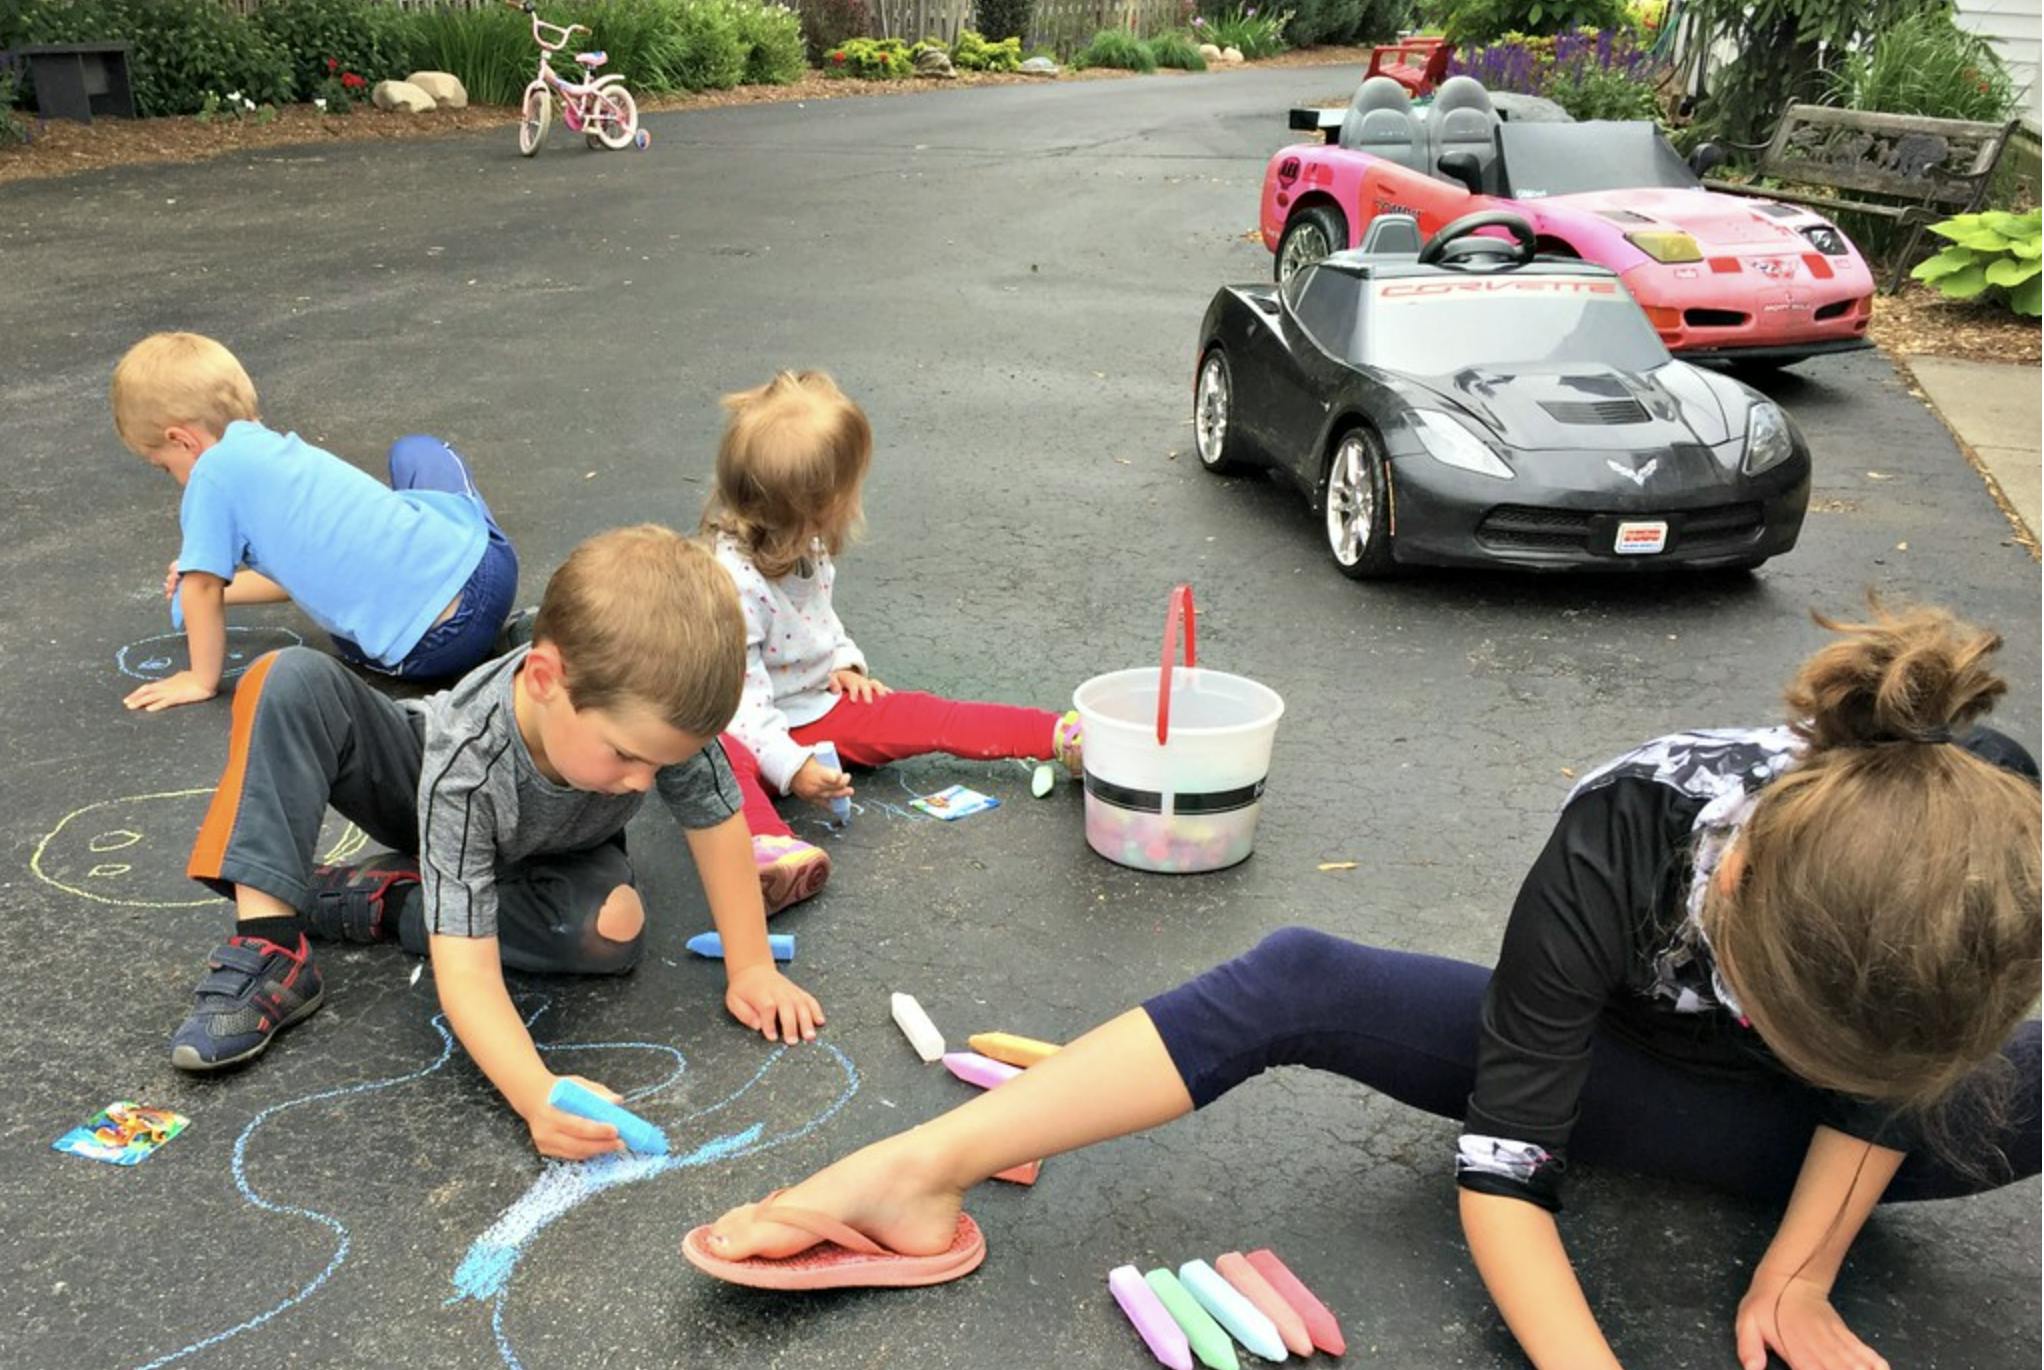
{"x": 818, "y": 783}
{"x": 857, "y": 686}
{"x": 170, "y": 582}
{"x": 566, "y": 1135}
{"x": 773, "y": 1005}
{"x": 158, "y": 695}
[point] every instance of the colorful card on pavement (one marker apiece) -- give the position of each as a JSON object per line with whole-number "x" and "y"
{"x": 954, "y": 802}
{"x": 124, "y": 1133}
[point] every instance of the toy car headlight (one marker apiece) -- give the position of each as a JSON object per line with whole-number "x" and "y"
{"x": 1768, "y": 442}
{"x": 1827, "y": 240}
{"x": 1449, "y": 443}
{"x": 1666, "y": 245}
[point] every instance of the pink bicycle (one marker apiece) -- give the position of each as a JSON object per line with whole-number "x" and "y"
{"x": 598, "y": 107}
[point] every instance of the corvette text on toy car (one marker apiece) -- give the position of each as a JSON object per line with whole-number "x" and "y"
{"x": 1721, "y": 277}
{"x": 1475, "y": 405}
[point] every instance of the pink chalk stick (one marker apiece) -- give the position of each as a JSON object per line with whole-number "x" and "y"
{"x": 976, "y": 1069}
{"x": 1024, "y": 1173}
{"x": 1236, "y": 1270}
{"x": 1153, "y": 1321}
{"x": 1320, "y": 1324}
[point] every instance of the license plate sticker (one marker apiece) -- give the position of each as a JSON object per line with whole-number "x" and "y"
{"x": 1641, "y": 539}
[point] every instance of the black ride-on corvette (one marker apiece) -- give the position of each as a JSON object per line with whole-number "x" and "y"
{"x": 1470, "y": 404}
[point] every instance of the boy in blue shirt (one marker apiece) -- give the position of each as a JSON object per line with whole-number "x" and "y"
{"x": 412, "y": 579}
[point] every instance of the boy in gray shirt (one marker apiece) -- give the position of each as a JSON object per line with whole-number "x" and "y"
{"x": 514, "y": 789}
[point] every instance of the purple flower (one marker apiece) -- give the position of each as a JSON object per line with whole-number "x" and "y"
{"x": 1249, "y": 13}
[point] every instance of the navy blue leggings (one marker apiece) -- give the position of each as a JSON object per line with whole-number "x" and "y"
{"x": 468, "y": 636}
{"x": 1406, "y": 1026}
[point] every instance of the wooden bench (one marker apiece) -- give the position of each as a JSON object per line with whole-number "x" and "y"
{"x": 1935, "y": 167}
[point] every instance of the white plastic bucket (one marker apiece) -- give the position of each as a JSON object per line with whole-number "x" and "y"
{"x": 1176, "y": 759}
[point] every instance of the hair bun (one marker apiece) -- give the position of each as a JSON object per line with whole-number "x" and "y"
{"x": 1918, "y": 674}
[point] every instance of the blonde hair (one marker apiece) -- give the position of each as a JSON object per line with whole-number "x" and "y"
{"x": 794, "y": 454}
{"x": 1883, "y": 934}
{"x": 178, "y": 378}
{"x": 644, "y": 616}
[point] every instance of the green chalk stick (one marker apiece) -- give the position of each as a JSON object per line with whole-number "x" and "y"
{"x": 1212, "y": 1345}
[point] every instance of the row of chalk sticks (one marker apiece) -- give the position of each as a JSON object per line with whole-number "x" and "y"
{"x": 1252, "y": 1299}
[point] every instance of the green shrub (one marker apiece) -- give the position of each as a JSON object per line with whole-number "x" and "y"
{"x": 710, "y": 52}
{"x": 13, "y": 128}
{"x": 1249, "y": 30}
{"x": 1926, "y": 64}
{"x": 1379, "y": 21}
{"x": 999, "y": 19}
{"x": 1115, "y": 48}
{"x": 182, "y": 48}
{"x": 1991, "y": 251}
{"x": 1469, "y": 22}
{"x": 870, "y": 59}
{"x": 975, "y": 53}
{"x": 1323, "y": 21}
{"x": 490, "y": 51}
{"x": 1178, "y": 50}
{"x": 828, "y": 24}
{"x": 323, "y": 36}
{"x": 640, "y": 37}
{"x": 775, "y": 54}
{"x": 1593, "y": 93}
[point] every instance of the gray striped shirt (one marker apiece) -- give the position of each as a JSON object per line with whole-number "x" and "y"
{"x": 483, "y": 803}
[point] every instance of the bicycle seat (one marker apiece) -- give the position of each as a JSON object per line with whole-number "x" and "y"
{"x": 592, "y": 60}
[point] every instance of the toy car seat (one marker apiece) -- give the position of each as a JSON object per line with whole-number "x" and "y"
{"x": 1464, "y": 120}
{"x": 1392, "y": 235}
{"x": 1379, "y": 121}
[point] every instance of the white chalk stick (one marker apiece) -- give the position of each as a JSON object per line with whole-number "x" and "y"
{"x": 915, "y": 1024}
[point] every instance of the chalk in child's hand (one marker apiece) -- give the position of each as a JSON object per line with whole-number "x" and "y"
{"x": 976, "y": 1069}
{"x": 1208, "y": 1341}
{"x": 1232, "y": 1311}
{"x": 1006, "y": 1046}
{"x": 915, "y": 1024}
{"x": 640, "y": 1135}
{"x": 826, "y": 756}
{"x": 780, "y": 944}
{"x": 1153, "y": 1321}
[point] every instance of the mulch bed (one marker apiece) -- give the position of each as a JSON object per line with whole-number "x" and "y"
{"x": 60, "y": 148}
{"x": 1917, "y": 321}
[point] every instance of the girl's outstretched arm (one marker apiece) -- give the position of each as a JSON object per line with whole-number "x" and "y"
{"x": 1518, "y": 1252}
{"x": 1787, "y": 1308}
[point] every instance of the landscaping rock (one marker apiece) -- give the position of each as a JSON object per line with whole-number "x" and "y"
{"x": 930, "y": 62}
{"x": 1210, "y": 52}
{"x": 401, "y": 95}
{"x": 445, "y": 88}
{"x": 1232, "y": 56}
{"x": 1039, "y": 66}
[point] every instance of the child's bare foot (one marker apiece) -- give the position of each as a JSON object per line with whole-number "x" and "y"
{"x": 888, "y": 1191}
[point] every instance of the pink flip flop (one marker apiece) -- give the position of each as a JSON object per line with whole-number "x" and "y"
{"x": 844, "y": 1259}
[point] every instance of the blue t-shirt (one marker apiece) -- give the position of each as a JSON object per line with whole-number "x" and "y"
{"x": 364, "y": 561}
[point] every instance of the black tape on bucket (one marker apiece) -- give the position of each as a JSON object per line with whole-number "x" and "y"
{"x": 1152, "y": 801}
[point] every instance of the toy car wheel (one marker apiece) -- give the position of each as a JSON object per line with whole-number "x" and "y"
{"x": 1212, "y": 409}
{"x": 613, "y": 119}
{"x": 538, "y": 111}
{"x": 1355, "y": 505}
{"x": 1314, "y": 232}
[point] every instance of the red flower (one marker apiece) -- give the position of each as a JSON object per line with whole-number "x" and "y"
{"x": 331, "y": 64}
{"x": 350, "y": 81}
{"x": 838, "y": 57}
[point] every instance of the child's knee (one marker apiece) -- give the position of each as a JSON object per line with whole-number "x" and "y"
{"x": 292, "y": 676}
{"x": 618, "y": 935}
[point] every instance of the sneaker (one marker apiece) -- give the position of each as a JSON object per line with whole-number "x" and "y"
{"x": 1068, "y": 742}
{"x": 252, "y": 991}
{"x": 790, "y": 870}
{"x": 359, "y": 903}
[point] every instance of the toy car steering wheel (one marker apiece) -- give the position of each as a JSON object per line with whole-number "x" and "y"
{"x": 1454, "y": 242}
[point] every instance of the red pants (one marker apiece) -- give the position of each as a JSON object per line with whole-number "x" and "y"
{"x": 895, "y": 727}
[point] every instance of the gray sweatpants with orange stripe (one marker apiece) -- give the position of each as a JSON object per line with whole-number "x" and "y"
{"x": 307, "y": 734}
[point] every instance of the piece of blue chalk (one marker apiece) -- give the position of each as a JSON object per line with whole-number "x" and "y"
{"x": 826, "y": 755}
{"x": 640, "y": 1135}
{"x": 1244, "y": 1321}
{"x": 780, "y": 944}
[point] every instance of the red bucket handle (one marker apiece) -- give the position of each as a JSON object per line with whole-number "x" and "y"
{"x": 1180, "y": 612}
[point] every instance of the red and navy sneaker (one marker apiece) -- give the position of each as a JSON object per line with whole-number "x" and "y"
{"x": 359, "y": 903}
{"x": 253, "y": 990}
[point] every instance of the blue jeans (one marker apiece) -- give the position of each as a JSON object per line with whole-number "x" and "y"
{"x": 468, "y": 636}
{"x": 1406, "y": 1025}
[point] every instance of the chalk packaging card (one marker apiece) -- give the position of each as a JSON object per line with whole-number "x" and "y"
{"x": 124, "y": 1133}
{"x": 954, "y": 802}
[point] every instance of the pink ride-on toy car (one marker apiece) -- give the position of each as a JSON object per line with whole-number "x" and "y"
{"x": 1721, "y": 277}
